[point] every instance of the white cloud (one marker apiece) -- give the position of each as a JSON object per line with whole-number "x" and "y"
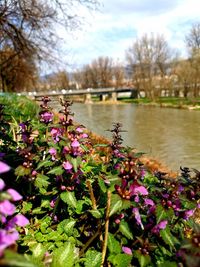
{"x": 112, "y": 30}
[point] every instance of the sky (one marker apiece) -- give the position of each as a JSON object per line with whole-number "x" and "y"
{"x": 112, "y": 29}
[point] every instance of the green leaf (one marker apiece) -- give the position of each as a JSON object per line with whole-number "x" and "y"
{"x": 116, "y": 204}
{"x": 160, "y": 213}
{"x": 64, "y": 256}
{"x": 69, "y": 198}
{"x": 16, "y": 260}
{"x": 113, "y": 245}
{"x": 41, "y": 181}
{"x": 38, "y": 251}
{"x": 121, "y": 260}
{"x": 168, "y": 238}
{"x": 167, "y": 264}
{"x": 22, "y": 171}
{"x": 56, "y": 170}
{"x": 93, "y": 258}
{"x": 125, "y": 230}
{"x": 46, "y": 163}
{"x": 143, "y": 260}
{"x": 102, "y": 185}
{"x": 75, "y": 164}
{"x": 68, "y": 226}
{"x": 26, "y": 206}
{"x": 96, "y": 213}
{"x": 38, "y": 210}
{"x": 79, "y": 206}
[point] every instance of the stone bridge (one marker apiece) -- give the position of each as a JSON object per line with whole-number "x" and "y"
{"x": 102, "y": 93}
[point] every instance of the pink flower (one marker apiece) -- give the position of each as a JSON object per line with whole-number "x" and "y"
{"x": 46, "y": 117}
{"x": 188, "y": 214}
{"x": 160, "y": 226}
{"x": 136, "y": 189}
{"x": 79, "y": 129}
{"x": 84, "y": 135}
{"x": 19, "y": 220}
{"x": 67, "y": 165}
{"x": 4, "y": 167}
{"x": 14, "y": 194}
{"x": 56, "y": 133}
{"x": 53, "y": 152}
{"x": 7, "y": 208}
{"x": 2, "y": 184}
{"x": 137, "y": 217}
{"x": 75, "y": 144}
{"x": 149, "y": 202}
{"x": 7, "y": 238}
{"x": 127, "y": 250}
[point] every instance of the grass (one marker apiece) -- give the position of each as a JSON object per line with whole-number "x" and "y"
{"x": 171, "y": 101}
{"x": 19, "y": 106}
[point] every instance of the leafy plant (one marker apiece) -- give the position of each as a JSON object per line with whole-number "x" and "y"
{"x": 95, "y": 205}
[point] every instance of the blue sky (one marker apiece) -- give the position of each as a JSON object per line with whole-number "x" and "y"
{"x": 112, "y": 30}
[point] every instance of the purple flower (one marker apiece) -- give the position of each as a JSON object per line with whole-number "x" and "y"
{"x": 75, "y": 144}
{"x": 53, "y": 152}
{"x": 19, "y": 220}
{"x": 79, "y": 129}
{"x": 14, "y": 194}
{"x": 136, "y": 189}
{"x": 127, "y": 250}
{"x": 180, "y": 188}
{"x": 7, "y": 238}
{"x": 7, "y": 208}
{"x": 46, "y": 117}
{"x": 4, "y": 167}
{"x": 56, "y": 133}
{"x": 67, "y": 165}
{"x": 149, "y": 202}
{"x": 84, "y": 135}
{"x": 188, "y": 214}
{"x": 137, "y": 217}
{"x": 2, "y": 184}
{"x": 160, "y": 226}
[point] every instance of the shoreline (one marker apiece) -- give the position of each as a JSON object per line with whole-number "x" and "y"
{"x": 151, "y": 104}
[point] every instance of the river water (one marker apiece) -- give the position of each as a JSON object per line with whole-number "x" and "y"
{"x": 170, "y": 135}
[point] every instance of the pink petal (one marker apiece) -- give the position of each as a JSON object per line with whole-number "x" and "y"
{"x": 67, "y": 165}
{"x": 14, "y": 194}
{"x": 149, "y": 202}
{"x": 2, "y": 184}
{"x": 4, "y": 167}
{"x": 137, "y": 217}
{"x": 19, "y": 220}
{"x": 7, "y": 208}
{"x": 127, "y": 250}
{"x": 75, "y": 143}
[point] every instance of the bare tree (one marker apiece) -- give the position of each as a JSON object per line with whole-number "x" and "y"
{"x": 118, "y": 75}
{"x": 193, "y": 43}
{"x": 98, "y": 74}
{"x": 148, "y": 57}
{"x": 28, "y": 27}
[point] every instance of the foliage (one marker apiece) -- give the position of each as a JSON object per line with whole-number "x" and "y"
{"x": 94, "y": 205}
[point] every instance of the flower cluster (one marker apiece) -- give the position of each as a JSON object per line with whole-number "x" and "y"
{"x": 46, "y": 116}
{"x": 9, "y": 218}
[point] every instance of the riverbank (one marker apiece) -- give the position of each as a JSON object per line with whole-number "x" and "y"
{"x": 166, "y": 102}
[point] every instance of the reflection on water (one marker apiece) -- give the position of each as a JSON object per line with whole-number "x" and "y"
{"x": 171, "y": 135}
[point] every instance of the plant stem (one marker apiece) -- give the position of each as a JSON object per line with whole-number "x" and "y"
{"x": 94, "y": 205}
{"x": 89, "y": 242}
{"x": 106, "y": 228}
{"x": 56, "y": 205}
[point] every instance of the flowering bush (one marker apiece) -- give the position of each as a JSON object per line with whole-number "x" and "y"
{"x": 9, "y": 219}
{"x": 89, "y": 206}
